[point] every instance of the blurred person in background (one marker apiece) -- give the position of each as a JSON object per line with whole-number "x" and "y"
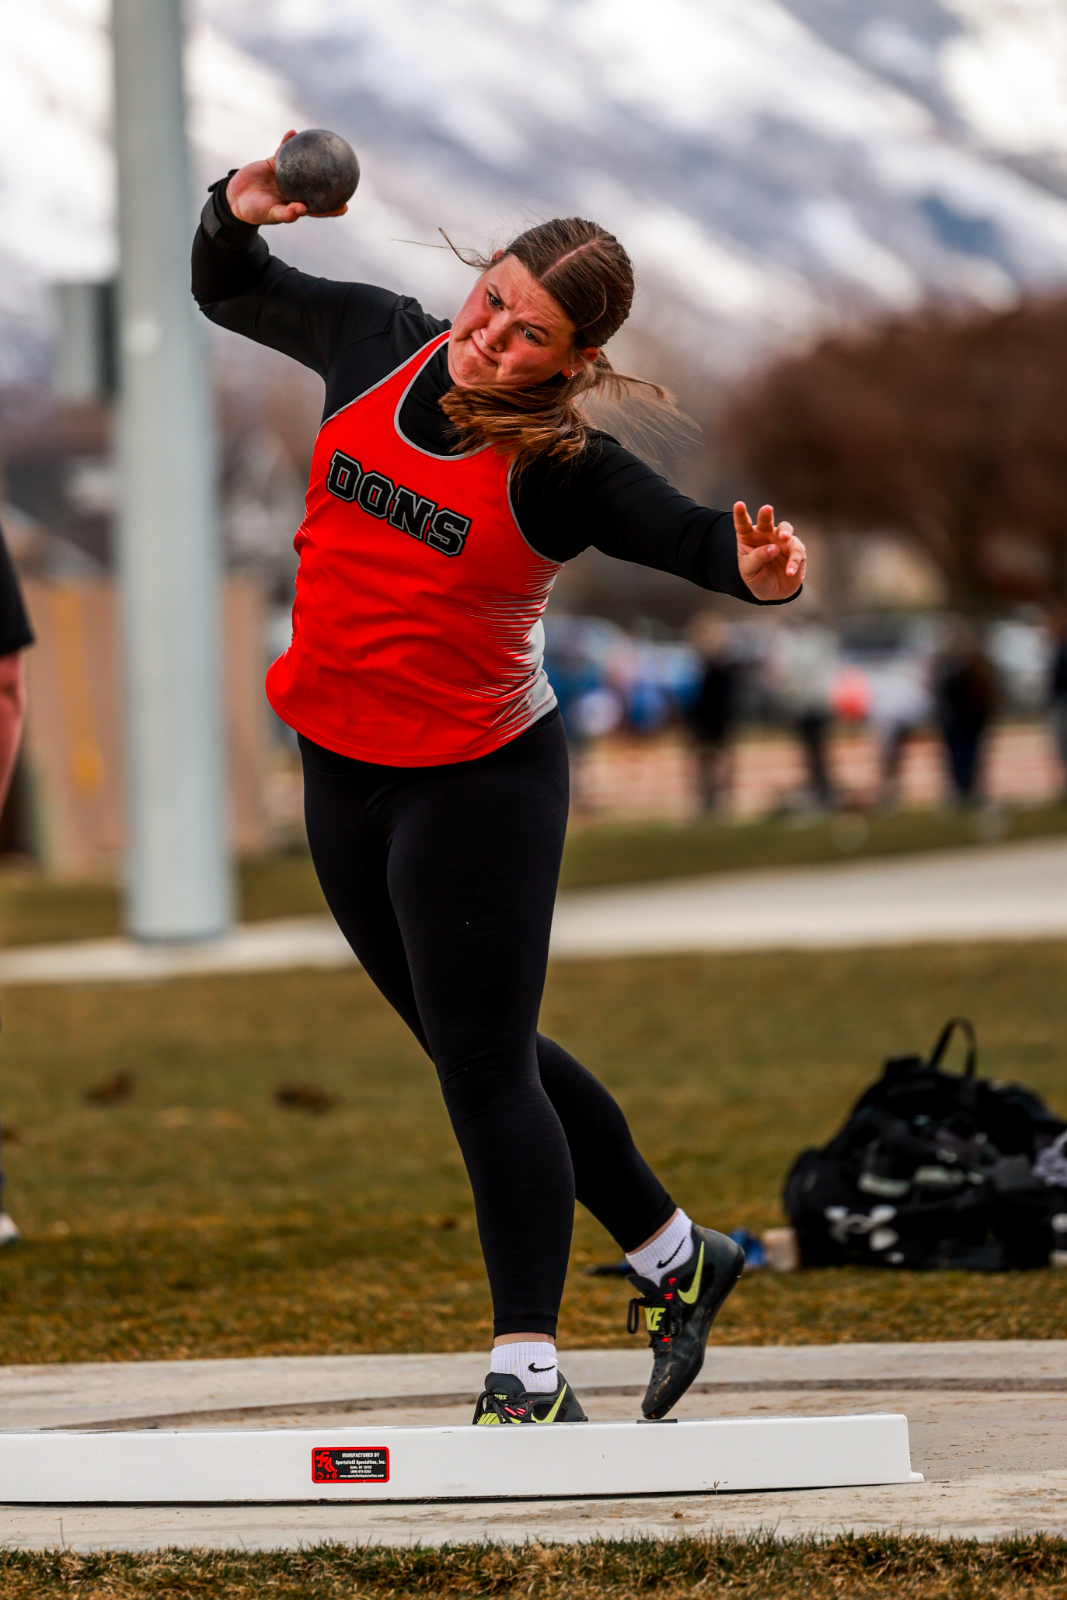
{"x": 15, "y": 636}
{"x": 575, "y": 676}
{"x": 589, "y": 706}
{"x": 900, "y": 703}
{"x": 592, "y": 715}
{"x": 803, "y": 669}
{"x": 966, "y": 694}
{"x": 1057, "y": 692}
{"x": 713, "y": 712}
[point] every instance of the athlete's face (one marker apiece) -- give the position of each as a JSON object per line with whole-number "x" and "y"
{"x": 510, "y": 331}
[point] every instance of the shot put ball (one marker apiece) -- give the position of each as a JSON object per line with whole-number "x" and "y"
{"x": 317, "y": 168}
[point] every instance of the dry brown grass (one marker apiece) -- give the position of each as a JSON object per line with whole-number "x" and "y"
{"x": 854, "y": 1567}
{"x": 200, "y": 1217}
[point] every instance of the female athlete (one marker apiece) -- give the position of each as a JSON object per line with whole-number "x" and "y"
{"x": 452, "y": 476}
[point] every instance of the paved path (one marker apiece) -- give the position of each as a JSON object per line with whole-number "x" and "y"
{"x": 1009, "y": 891}
{"x": 251, "y": 947}
{"x": 1014, "y": 891}
{"x": 986, "y": 1419}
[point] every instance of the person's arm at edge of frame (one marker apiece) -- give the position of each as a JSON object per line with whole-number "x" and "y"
{"x": 12, "y": 716}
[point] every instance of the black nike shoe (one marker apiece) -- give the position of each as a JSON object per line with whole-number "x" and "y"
{"x": 505, "y": 1400}
{"x": 679, "y": 1314}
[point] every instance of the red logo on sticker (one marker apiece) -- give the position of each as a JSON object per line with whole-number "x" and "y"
{"x": 360, "y": 1464}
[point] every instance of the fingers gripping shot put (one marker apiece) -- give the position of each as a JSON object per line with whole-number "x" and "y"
{"x": 452, "y": 476}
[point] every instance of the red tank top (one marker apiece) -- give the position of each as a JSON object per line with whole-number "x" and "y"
{"x": 417, "y": 633}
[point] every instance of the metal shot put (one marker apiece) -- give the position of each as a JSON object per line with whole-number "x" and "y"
{"x": 318, "y": 170}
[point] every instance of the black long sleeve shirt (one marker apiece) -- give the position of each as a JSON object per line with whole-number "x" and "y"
{"x": 15, "y": 631}
{"x": 353, "y": 335}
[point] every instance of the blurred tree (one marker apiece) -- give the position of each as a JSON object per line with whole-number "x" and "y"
{"x": 948, "y": 427}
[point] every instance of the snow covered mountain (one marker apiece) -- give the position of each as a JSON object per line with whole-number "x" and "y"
{"x": 57, "y": 169}
{"x": 772, "y": 165}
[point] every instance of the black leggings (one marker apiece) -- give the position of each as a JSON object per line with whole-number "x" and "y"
{"x": 442, "y": 879}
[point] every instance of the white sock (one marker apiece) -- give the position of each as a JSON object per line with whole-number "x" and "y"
{"x": 533, "y": 1363}
{"x": 668, "y": 1254}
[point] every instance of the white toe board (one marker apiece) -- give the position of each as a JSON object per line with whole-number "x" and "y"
{"x": 454, "y": 1463}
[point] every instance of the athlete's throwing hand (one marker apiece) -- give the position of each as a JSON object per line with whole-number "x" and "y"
{"x": 770, "y": 556}
{"x": 253, "y": 195}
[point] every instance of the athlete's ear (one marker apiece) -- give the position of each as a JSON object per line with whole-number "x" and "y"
{"x": 588, "y": 355}
{"x": 497, "y": 254}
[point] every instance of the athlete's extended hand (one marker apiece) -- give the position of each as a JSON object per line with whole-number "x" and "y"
{"x": 771, "y": 558}
{"x": 253, "y": 195}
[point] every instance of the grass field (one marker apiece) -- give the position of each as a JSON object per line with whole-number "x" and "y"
{"x": 861, "y": 1568}
{"x": 198, "y": 1216}
{"x": 34, "y": 910}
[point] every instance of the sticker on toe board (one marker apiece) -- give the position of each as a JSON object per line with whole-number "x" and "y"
{"x": 349, "y": 1466}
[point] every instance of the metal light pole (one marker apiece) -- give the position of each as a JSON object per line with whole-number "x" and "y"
{"x": 178, "y": 871}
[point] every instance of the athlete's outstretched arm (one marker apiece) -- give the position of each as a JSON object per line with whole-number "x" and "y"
{"x": 613, "y": 500}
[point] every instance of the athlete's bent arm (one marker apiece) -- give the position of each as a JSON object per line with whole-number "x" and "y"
{"x": 239, "y": 285}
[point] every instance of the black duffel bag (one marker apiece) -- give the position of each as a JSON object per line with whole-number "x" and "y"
{"x": 934, "y": 1169}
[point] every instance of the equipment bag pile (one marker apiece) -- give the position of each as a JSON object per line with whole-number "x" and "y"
{"x": 935, "y": 1170}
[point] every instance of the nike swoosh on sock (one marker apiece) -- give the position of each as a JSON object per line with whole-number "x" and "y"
{"x": 551, "y": 1368}
{"x": 670, "y": 1258}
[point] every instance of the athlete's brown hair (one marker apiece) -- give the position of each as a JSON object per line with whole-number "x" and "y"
{"x": 588, "y": 273}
